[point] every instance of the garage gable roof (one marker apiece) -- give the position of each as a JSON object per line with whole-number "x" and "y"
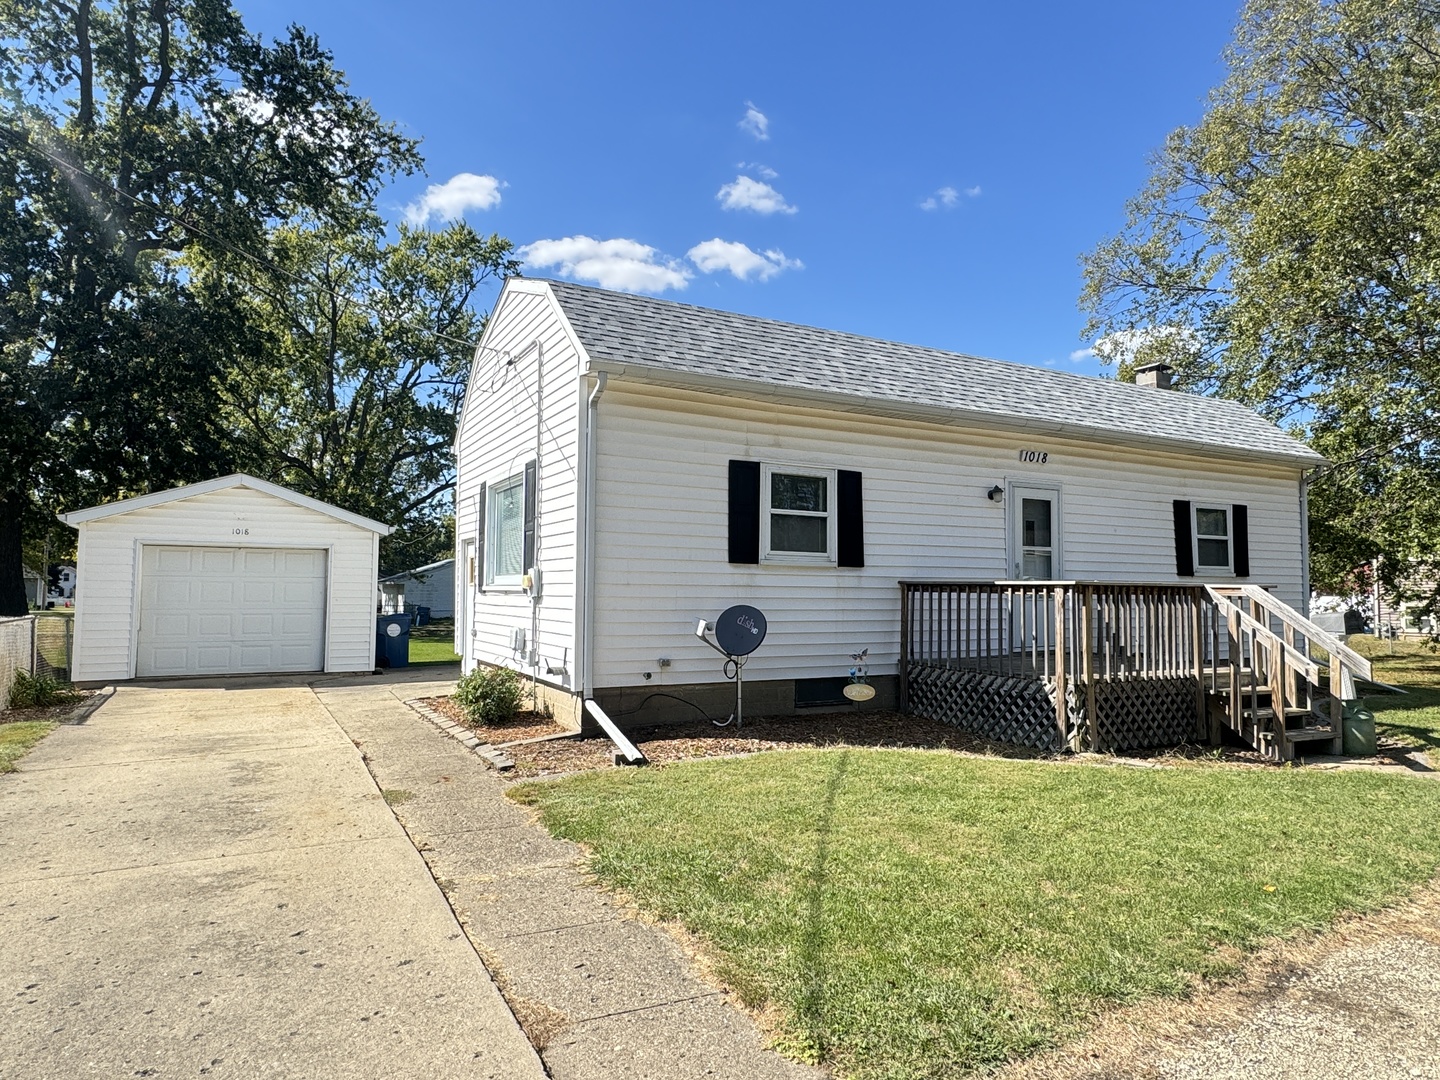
{"x": 234, "y": 480}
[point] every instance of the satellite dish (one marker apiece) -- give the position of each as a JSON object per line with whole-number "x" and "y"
{"x": 740, "y": 629}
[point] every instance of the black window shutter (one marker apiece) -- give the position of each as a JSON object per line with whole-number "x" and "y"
{"x": 480, "y": 538}
{"x": 528, "y": 562}
{"x": 744, "y": 511}
{"x": 850, "y": 525}
{"x": 1184, "y": 547}
{"x": 1240, "y": 541}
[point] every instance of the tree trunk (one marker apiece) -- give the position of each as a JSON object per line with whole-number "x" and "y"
{"x": 12, "y": 574}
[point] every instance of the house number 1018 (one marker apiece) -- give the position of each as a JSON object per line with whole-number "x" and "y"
{"x": 242, "y": 532}
{"x": 1034, "y": 457}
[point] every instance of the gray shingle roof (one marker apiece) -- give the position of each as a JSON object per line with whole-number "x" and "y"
{"x": 668, "y": 337}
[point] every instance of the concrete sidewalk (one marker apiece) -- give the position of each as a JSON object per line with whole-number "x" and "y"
{"x": 204, "y": 880}
{"x": 603, "y": 995}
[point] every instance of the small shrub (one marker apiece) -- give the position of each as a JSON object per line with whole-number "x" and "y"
{"x": 39, "y": 691}
{"x": 489, "y": 695}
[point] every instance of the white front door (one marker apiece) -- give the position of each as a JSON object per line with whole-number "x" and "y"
{"x": 1035, "y": 532}
{"x": 229, "y": 611}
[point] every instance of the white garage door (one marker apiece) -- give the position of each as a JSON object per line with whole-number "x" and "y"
{"x": 222, "y": 611}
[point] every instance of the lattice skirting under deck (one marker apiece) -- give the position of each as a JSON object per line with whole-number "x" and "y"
{"x": 1006, "y": 709}
{"x": 1149, "y": 712}
{"x": 1132, "y": 714}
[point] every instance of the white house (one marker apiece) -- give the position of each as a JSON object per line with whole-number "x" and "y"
{"x": 233, "y": 575}
{"x": 431, "y": 586}
{"x": 627, "y": 466}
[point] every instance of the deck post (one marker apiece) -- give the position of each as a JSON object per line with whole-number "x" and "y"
{"x": 1062, "y": 713}
{"x": 904, "y": 647}
{"x": 1087, "y": 660}
{"x": 1197, "y": 622}
{"x": 1232, "y": 631}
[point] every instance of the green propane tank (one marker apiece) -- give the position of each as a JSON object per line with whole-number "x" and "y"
{"x": 1358, "y": 726}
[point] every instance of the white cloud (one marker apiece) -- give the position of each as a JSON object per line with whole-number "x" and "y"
{"x": 1082, "y": 354}
{"x": 755, "y": 122}
{"x": 627, "y": 265}
{"x": 947, "y": 198}
{"x": 449, "y": 201}
{"x": 716, "y": 255}
{"x": 750, "y": 194}
{"x": 762, "y": 171}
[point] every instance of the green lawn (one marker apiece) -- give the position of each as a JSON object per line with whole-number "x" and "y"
{"x": 1412, "y": 718}
{"x": 434, "y": 643}
{"x": 17, "y": 738}
{"x": 920, "y": 914}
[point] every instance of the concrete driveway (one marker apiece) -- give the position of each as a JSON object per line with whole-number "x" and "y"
{"x": 203, "y": 879}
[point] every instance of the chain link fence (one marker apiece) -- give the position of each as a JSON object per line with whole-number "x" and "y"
{"x": 42, "y": 644}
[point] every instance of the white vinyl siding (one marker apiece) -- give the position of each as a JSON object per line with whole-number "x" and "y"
{"x": 662, "y": 526}
{"x": 109, "y": 571}
{"x": 497, "y": 437}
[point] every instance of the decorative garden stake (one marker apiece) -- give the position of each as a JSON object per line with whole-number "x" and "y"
{"x": 859, "y": 689}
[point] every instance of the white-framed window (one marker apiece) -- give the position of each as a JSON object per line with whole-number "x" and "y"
{"x": 1213, "y": 549}
{"x": 797, "y": 522}
{"x": 505, "y": 531}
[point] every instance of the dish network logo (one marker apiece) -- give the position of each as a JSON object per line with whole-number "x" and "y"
{"x": 747, "y": 622}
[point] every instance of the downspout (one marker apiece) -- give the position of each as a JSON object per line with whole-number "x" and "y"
{"x": 534, "y": 569}
{"x": 587, "y": 620}
{"x": 1305, "y": 542}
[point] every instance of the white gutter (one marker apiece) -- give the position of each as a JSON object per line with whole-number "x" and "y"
{"x": 587, "y": 536}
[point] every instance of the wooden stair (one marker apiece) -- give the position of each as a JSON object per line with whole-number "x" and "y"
{"x": 1271, "y": 654}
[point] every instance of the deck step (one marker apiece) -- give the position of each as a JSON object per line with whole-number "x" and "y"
{"x": 1309, "y": 734}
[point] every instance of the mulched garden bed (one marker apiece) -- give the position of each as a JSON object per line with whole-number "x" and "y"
{"x": 63, "y": 713}
{"x": 525, "y": 724}
{"x": 701, "y": 739}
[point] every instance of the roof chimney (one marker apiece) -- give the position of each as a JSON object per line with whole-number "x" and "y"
{"x": 1156, "y": 376}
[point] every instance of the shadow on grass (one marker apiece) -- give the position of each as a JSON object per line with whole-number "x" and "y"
{"x": 810, "y": 1009}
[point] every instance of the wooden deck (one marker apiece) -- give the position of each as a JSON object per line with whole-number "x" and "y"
{"x": 1072, "y": 665}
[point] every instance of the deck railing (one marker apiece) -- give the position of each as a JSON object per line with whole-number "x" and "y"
{"x": 1236, "y": 645}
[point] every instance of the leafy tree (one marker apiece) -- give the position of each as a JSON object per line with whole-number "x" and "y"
{"x": 1286, "y": 252}
{"x": 130, "y": 134}
{"x": 351, "y": 379}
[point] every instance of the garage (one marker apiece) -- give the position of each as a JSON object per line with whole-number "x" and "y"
{"x": 233, "y": 576}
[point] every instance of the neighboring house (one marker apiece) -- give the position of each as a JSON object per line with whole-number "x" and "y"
{"x": 627, "y": 466}
{"x": 62, "y": 583}
{"x": 431, "y": 586}
{"x": 232, "y": 575}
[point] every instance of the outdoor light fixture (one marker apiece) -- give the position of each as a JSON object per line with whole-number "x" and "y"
{"x": 996, "y": 494}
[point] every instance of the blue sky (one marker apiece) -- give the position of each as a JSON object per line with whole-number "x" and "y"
{"x": 926, "y": 173}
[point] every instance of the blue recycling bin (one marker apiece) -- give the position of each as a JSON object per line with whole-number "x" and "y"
{"x": 422, "y": 615}
{"x": 392, "y": 641}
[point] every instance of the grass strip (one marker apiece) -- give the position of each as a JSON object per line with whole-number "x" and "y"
{"x": 18, "y": 737}
{"x": 433, "y": 643}
{"x": 1412, "y": 718}
{"x": 908, "y": 914}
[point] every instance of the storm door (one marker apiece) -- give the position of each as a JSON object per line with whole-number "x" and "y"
{"x": 1035, "y": 533}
